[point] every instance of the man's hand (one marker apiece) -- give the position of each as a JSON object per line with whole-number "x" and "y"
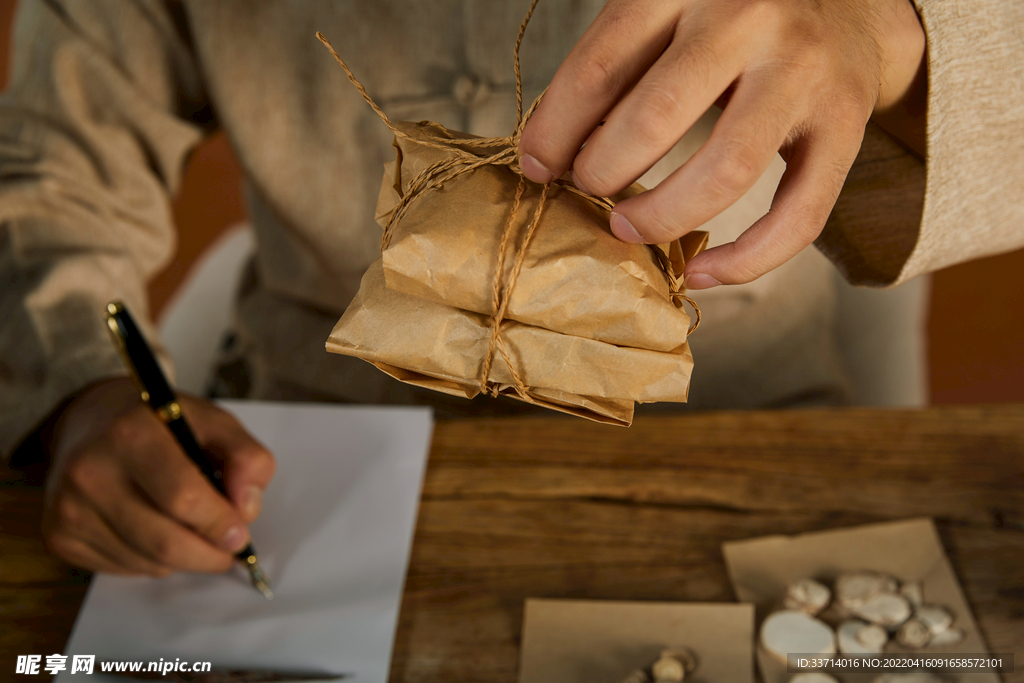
{"x": 799, "y": 77}
{"x": 122, "y": 497}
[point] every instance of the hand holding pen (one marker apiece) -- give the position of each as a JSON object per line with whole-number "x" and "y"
{"x": 122, "y": 497}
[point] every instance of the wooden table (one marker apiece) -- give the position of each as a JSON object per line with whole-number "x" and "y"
{"x": 531, "y": 507}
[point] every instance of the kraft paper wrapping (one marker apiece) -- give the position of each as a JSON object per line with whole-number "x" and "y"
{"x": 489, "y": 283}
{"x": 442, "y": 347}
{"x": 576, "y": 278}
{"x": 760, "y": 569}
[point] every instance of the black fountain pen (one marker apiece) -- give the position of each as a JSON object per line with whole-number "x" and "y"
{"x": 158, "y": 394}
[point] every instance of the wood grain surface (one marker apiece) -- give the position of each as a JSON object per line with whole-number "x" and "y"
{"x": 551, "y": 507}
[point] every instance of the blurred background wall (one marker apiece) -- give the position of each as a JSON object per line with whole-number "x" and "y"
{"x": 976, "y": 324}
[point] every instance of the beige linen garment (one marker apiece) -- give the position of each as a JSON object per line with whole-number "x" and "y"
{"x": 108, "y": 97}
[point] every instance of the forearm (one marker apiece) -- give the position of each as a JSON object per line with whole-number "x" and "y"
{"x": 94, "y": 138}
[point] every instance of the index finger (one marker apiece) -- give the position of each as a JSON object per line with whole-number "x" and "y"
{"x": 807, "y": 193}
{"x": 247, "y": 464}
{"x": 625, "y": 38}
{"x": 178, "y": 488}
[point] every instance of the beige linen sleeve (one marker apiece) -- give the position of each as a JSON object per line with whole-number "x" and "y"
{"x": 898, "y": 218}
{"x": 95, "y": 127}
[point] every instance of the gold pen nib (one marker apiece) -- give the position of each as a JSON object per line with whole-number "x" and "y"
{"x": 258, "y": 577}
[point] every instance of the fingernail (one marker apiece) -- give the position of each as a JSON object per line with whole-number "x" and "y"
{"x": 700, "y": 281}
{"x": 624, "y": 230}
{"x": 535, "y": 171}
{"x": 234, "y": 539}
{"x": 578, "y": 184}
{"x": 252, "y": 498}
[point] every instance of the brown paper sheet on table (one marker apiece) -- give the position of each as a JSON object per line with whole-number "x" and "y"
{"x": 489, "y": 283}
{"x": 909, "y": 550}
{"x": 602, "y": 641}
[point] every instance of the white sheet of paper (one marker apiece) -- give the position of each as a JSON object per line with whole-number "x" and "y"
{"x": 334, "y": 537}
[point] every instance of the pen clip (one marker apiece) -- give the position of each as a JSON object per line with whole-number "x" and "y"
{"x": 112, "y": 315}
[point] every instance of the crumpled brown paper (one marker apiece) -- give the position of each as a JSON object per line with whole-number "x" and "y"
{"x": 491, "y": 283}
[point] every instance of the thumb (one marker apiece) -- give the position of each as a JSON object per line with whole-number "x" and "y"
{"x": 247, "y": 465}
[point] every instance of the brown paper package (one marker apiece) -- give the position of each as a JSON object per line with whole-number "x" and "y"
{"x": 576, "y": 278}
{"x": 489, "y": 283}
{"x": 590, "y": 326}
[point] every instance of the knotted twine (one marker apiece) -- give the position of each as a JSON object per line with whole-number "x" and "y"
{"x": 481, "y": 152}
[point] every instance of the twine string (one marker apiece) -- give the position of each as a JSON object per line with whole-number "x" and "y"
{"x": 501, "y": 301}
{"x": 496, "y": 290}
{"x": 515, "y": 66}
{"x": 679, "y": 296}
{"x": 468, "y": 154}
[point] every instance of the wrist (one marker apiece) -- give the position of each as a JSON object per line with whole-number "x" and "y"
{"x": 902, "y": 44}
{"x": 902, "y": 102}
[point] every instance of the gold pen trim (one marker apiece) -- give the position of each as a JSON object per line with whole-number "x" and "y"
{"x": 169, "y": 412}
{"x": 113, "y": 308}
